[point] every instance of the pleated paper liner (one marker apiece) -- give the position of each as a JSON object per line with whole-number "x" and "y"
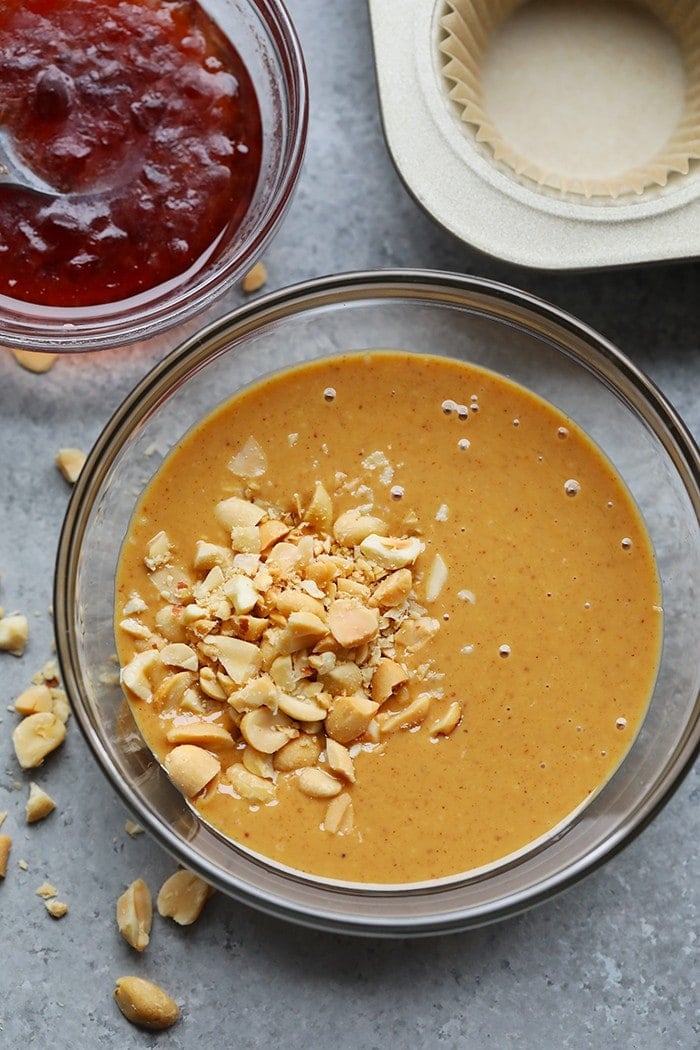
{"x": 598, "y": 99}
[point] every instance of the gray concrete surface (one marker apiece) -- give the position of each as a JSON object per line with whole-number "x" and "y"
{"x": 612, "y": 963}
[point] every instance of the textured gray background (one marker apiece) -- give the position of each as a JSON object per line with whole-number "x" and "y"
{"x": 613, "y": 962}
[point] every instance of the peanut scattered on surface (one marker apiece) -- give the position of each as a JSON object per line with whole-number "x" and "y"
{"x": 56, "y": 909}
{"x": 39, "y": 804}
{"x": 145, "y": 1004}
{"x": 254, "y": 279}
{"x": 14, "y": 633}
{"x": 37, "y": 736}
{"x": 135, "y": 914}
{"x": 34, "y": 360}
{"x": 70, "y": 462}
{"x": 5, "y": 847}
{"x": 46, "y": 891}
{"x": 182, "y": 897}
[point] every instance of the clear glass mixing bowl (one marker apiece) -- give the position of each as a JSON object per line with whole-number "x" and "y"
{"x": 470, "y": 319}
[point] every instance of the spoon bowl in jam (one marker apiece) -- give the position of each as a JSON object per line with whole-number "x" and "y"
{"x": 17, "y": 176}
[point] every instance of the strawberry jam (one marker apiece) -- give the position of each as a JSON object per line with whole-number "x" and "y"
{"x": 144, "y": 118}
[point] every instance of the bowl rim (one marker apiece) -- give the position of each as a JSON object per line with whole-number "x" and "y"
{"x": 168, "y": 306}
{"x": 187, "y": 358}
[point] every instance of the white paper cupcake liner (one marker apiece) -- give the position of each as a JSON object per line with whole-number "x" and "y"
{"x": 467, "y": 31}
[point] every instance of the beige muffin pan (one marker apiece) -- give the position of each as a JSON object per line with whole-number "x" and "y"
{"x": 549, "y": 133}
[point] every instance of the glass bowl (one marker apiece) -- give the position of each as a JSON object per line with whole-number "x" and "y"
{"x": 264, "y": 37}
{"x": 460, "y": 317}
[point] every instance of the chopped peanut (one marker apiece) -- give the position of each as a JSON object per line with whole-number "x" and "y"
{"x": 437, "y": 578}
{"x": 182, "y": 897}
{"x": 339, "y": 815}
{"x": 349, "y": 717}
{"x": 304, "y": 751}
{"x": 317, "y": 783}
{"x": 267, "y": 731}
{"x": 56, "y": 909}
{"x": 412, "y": 715}
{"x": 191, "y": 768}
{"x": 135, "y": 914}
{"x": 34, "y": 360}
{"x": 46, "y": 891}
{"x": 387, "y": 678}
{"x": 339, "y": 760}
{"x": 444, "y": 725}
{"x": 210, "y": 735}
{"x": 282, "y": 647}
{"x": 352, "y": 624}
{"x": 390, "y": 552}
{"x": 35, "y": 698}
{"x": 70, "y": 462}
{"x": 5, "y": 847}
{"x": 39, "y": 804}
{"x": 36, "y": 736}
{"x": 14, "y": 633}
{"x": 352, "y": 527}
{"x": 250, "y": 785}
{"x": 254, "y": 279}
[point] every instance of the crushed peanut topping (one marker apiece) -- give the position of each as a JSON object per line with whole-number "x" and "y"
{"x": 14, "y": 633}
{"x": 285, "y": 647}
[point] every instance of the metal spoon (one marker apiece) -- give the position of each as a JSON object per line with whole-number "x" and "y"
{"x": 15, "y": 173}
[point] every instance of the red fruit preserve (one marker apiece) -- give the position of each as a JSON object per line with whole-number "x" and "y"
{"x": 143, "y": 116}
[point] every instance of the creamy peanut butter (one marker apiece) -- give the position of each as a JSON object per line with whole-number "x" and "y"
{"x": 387, "y": 618}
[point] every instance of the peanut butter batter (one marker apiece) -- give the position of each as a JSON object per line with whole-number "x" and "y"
{"x": 534, "y": 593}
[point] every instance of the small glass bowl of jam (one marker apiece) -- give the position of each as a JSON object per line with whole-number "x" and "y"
{"x": 169, "y": 140}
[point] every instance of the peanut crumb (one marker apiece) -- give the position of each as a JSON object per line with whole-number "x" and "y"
{"x": 5, "y": 847}
{"x": 34, "y": 360}
{"x": 14, "y": 633}
{"x": 70, "y": 462}
{"x": 255, "y": 279}
{"x": 56, "y": 909}
{"x": 46, "y": 890}
{"x": 39, "y": 804}
{"x": 135, "y": 915}
{"x": 182, "y": 897}
{"x": 37, "y": 736}
{"x": 133, "y": 829}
